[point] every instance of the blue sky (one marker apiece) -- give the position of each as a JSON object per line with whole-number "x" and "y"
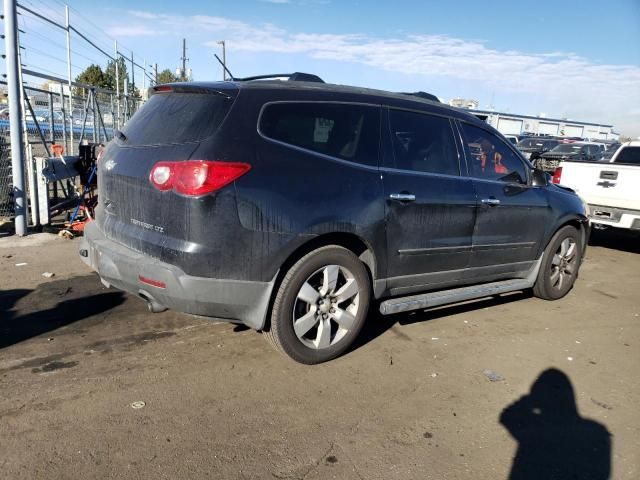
{"x": 574, "y": 59}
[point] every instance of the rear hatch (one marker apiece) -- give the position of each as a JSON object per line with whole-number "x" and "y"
{"x": 176, "y": 125}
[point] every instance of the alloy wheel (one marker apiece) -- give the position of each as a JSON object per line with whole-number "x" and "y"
{"x": 326, "y": 307}
{"x": 563, "y": 264}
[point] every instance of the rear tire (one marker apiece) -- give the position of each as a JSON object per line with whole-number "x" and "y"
{"x": 321, "y": 305}
{"x": 560, "y": 264}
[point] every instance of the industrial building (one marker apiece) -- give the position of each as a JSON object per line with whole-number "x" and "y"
{"x": 513, "y": 124}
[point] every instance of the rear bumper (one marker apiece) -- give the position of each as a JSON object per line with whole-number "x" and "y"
{"x": 236, "y": 300}
{"x": 615, "y": 217}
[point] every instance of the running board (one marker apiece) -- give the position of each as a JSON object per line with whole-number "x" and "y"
{"x": 443, "y": 297}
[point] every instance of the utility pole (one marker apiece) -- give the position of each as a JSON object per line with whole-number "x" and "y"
{"x": 133, "y": 76}
{"x": 15, "y": 114}
{"x": 183, "y": 72}
{"x": 155, "y": 72}
{"x": 224, "y": 59}
{"x": 116, "y": 60}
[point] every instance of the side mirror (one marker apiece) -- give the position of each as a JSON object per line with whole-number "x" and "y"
{"x": 539, "y": 178}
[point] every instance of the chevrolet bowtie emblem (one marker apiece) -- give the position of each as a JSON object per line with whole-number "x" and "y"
{"x": 606, "y": 184}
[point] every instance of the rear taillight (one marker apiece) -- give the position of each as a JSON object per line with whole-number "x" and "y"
{"x": 557, "y": 175}
{"x": 195, "y": 177}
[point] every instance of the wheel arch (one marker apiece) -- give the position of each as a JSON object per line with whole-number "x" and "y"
{"x": 350, "y": 241}
{"x": 580, "y": 223}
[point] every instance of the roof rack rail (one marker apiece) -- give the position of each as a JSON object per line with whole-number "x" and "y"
{"x": 423, "y": 95}
{"x": 291, "y": 77}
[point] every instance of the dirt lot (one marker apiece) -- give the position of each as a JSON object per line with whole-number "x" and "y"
{"x": 410, "y": 401}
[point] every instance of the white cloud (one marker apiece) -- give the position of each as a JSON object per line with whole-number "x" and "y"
{"x": 278, "y": 2}
{"x": 572, "y": 85}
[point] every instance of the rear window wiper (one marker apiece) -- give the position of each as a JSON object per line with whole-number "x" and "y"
{"x": 120, "y": 135}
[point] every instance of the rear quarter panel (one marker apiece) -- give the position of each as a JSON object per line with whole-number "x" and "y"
{"x": 291, "y": 195}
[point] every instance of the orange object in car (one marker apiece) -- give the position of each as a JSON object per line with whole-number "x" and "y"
{"x": 58, "y": 149}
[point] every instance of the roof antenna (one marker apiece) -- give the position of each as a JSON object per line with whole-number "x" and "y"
{"x": 225, "y": 67}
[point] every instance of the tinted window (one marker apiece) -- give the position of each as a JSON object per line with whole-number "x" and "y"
{"x": 168, "y": 118}
{"x": 423, "y": 143}
{"x": 568, "y": 148}
{"x": 532, "y": 143}
{"x": 491, "y": 158}
{"x": 350, "y": 132}
{"x": 629, "y": 155}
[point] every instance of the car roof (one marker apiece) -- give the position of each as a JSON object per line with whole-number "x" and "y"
{"x": 367, "y": 95}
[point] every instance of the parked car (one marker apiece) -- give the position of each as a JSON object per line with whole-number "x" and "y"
{"x": 291, "y": 206}
{"x": 533, "y": 147}
{"x": 512, "y": 138}
{"x": 40, "y": 115}
{"x": 569, "y": 150}
{"x": 609, "y": 188}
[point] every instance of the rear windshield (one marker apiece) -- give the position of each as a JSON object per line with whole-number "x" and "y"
{"x": 629, "y": 155}
{"x": 567, "y": 148}
{"x": 537, "y": 143}
{"x": 172, "y": 118}
{"x": 530, "y": 143}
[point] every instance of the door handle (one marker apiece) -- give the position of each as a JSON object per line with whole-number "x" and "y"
{"x": 490, "y": 201}
{"x": 403, "y": 197}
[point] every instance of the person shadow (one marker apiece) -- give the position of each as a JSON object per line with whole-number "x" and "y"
{"x": 554, "y": 441}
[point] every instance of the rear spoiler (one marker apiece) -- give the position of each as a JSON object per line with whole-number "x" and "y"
{"x": 423, "y": 95}
{"x": 291, "y": 77}
{"x": 185, "y": 88}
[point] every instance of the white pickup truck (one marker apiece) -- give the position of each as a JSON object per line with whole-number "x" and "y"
{"x": 610, "y": 189}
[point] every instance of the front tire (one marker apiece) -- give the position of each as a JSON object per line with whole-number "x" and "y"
{"x": 321, "y": 305}
{"x": 560, "y": 264}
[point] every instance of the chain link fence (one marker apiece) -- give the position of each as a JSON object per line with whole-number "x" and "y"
{"x": 57, "y": 108}
{"x": 6, "y": 182}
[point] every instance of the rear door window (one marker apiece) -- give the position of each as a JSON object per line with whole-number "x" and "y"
{"x": 175, "y": 118}
{"x": 629, "y": 155}
{"x": 423, "y": 143}
{"x": 342, "y": 130}
{"x": 491, "y": 158}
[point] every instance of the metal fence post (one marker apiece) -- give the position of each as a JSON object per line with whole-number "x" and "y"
{"x": 15, "y": 114}
{"x": 96, "y": 120}
{"x": 52, "y": 123}
{"x": 64, "y": 119}
{"x": 33, "y": 187}
{"x": 66, "y": 11}
{"x": 113, "y": 114}
{"x": 126, "y": 100}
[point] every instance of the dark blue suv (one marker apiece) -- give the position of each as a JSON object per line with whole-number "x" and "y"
{"x": 291, "y": 206}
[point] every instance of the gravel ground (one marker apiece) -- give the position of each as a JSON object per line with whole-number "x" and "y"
{"x": 475, "y": 390}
